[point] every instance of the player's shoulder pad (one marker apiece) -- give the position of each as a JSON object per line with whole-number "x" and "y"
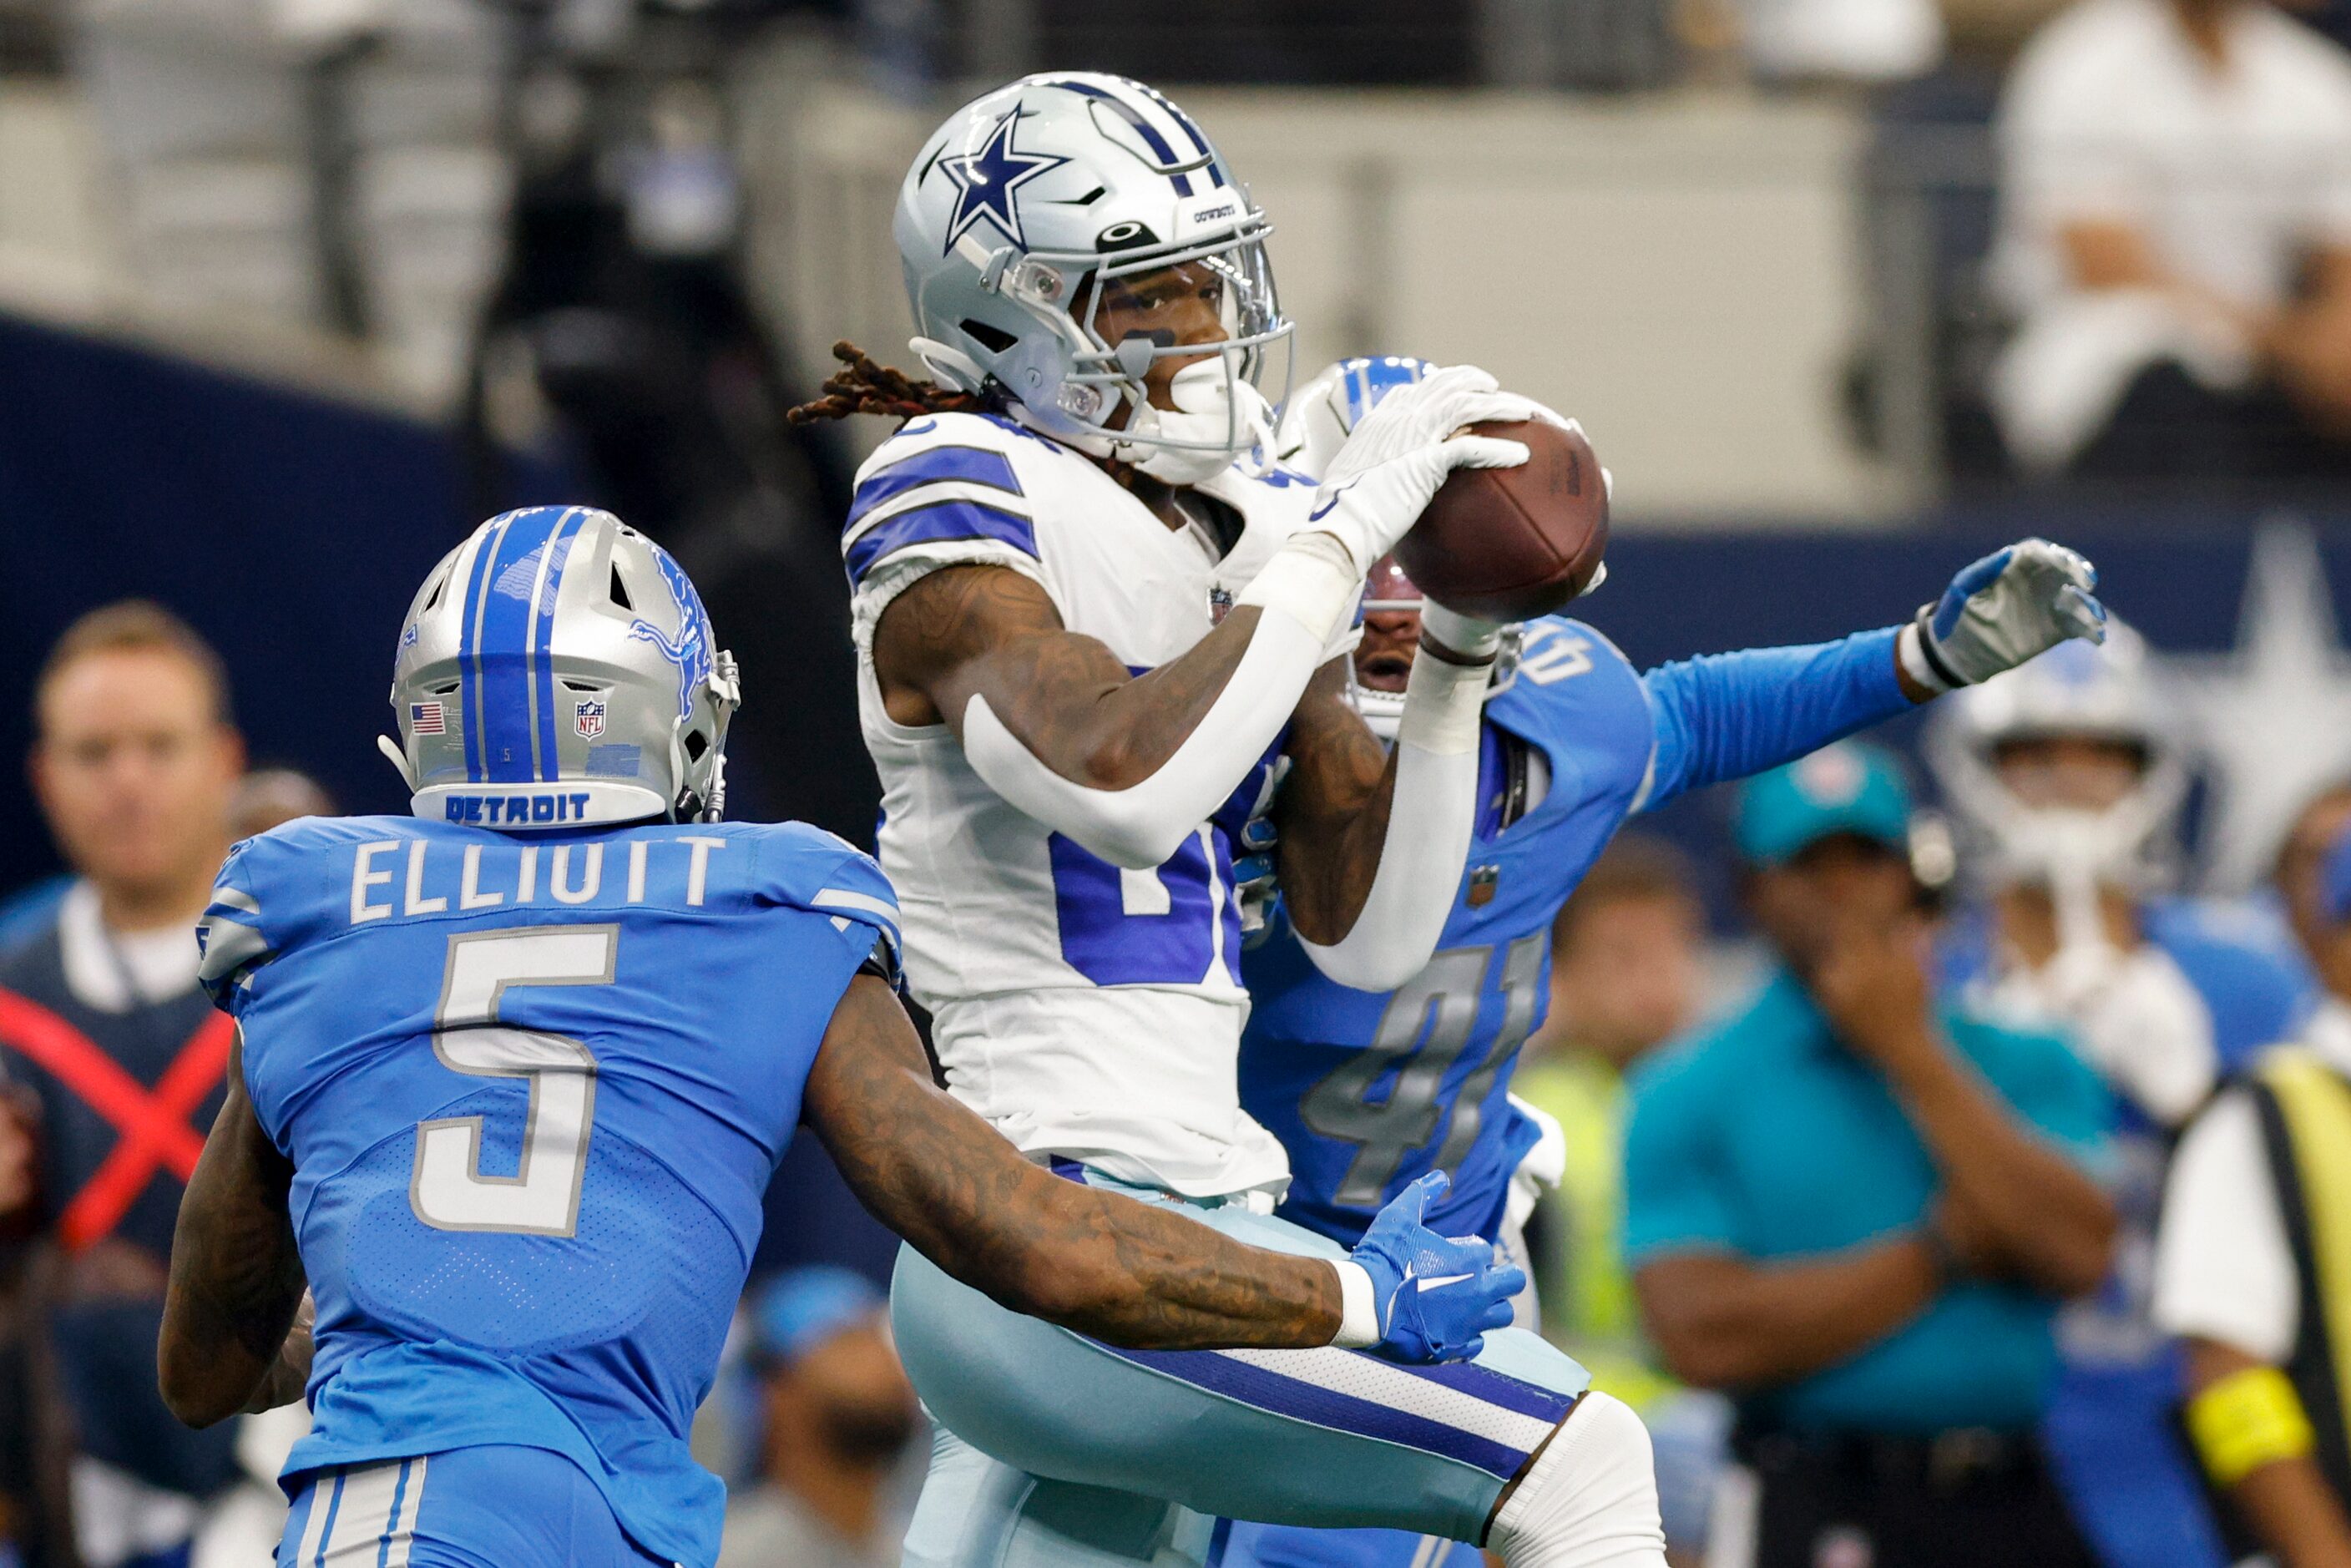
{"x": 805, "y": 867}
{"x": 963, "y": 480}
{"x": 273, "y": 891}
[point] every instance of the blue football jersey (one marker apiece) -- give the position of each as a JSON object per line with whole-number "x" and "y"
{"x": 2109, "y": 1429}
{"x": 533, "y": 1089}
{"x": 1369, "y": 1092}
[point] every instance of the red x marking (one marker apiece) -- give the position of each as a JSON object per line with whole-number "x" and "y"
{"x": 153, "y": 1125}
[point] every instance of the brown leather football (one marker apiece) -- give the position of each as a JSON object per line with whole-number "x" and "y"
{"x": 1510, "y": 544}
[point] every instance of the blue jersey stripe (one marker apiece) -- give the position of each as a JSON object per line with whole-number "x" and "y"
{"x": 1265, "y": 1389}
{"x": 930, "y": 525}
{"x": 559, "y": 552}
{"x": 1148, "y": 131}
{"x": 936, "y": 465}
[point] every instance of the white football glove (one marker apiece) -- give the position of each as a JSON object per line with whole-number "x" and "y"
{"x": 1999, "y": 611}
{"x": 1393, "y": 463}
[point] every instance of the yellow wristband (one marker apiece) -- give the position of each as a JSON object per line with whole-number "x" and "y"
{"x": 2246, "y": 1420}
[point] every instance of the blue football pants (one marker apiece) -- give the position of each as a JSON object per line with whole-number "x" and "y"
{"x": 498, "y": 1507}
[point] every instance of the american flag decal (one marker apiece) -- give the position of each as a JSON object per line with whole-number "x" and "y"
{"x": 425, "y": 718}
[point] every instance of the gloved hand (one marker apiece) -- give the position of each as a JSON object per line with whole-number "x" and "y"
{"x": 1999, "y": 611}
{"x": 1434, "y": 1296}
{"x": 1254, "y": 884}
{"x": 1393, "y": 463}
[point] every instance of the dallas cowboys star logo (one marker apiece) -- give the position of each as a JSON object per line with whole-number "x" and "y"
{"x": 985, "y": 181}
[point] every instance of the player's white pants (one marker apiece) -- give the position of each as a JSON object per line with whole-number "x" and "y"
{"x": 1060, "y": 1452}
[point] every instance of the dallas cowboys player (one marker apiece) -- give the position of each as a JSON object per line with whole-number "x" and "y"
{"x": 1369, "y": 1093}
{"x": 1088, "y": 638}
{"x": 2069, "y": 782}
{"x": 512, "y": 1076}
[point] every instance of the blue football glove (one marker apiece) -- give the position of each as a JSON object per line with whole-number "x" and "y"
{"x": 2001, "y": 611}
{"x": 1253, "y": 879}
{"x": 1434, "y": 1296}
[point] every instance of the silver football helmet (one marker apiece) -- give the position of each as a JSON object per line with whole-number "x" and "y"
{"x": 555, "y": 670}
{"x": 1033, "y": 202}
{"x": 2076, "y": 689}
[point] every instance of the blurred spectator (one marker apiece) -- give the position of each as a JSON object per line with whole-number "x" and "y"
{"x": 1857, "y": 1212}
{"x": 2252, "y": 1266}
{"x": 2177, "y": 218}
{"x": 2299, "y": 876}
{"x": 838, "y": 1415}
{"x": 2068, "y": 777}
{"x": 1624, "y": 977}
{"x": 134, "y": 763}
{"x": 1841, "y": 40}
{"x": 269, "y": 795}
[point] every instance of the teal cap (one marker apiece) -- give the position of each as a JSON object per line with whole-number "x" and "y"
{"x": 1847, "y": 788}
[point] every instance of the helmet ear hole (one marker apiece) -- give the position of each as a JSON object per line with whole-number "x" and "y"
{"x": 696, "y": 743}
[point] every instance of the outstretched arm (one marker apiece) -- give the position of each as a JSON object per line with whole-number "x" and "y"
{"x": 1122, "y": 1271}
{"x": 1725, "y": 715}
{"x": 1127, "y": 1272}
{"x": 231, "y": 1340}
{"x": 1729, "y": 715}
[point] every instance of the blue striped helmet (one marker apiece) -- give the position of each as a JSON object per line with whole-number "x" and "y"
{"x": 556, "y": 669}
{"x": 1322, "y": 414}
{"x": 1026, "y": 204}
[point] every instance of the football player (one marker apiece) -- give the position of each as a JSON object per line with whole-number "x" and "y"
{"x": 1369, "y": 1092}
{"x": 512, "y": 1076}
{"x": 1094, "y": 620}
{"x": 2068, "y": 783}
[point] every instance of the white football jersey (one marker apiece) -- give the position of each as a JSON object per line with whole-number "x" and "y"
{"x": 1086, "y": 1010}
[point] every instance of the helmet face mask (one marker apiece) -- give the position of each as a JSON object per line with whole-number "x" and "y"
{"x": 558, "y": 670}
{"x": 1033, "y": 220}
{"x": 2063, "y": 770}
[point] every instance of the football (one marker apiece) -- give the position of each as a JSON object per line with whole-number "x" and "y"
{"x": 1510, "y": 544}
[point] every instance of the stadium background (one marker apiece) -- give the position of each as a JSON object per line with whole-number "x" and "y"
{"x": 293, "y": 291}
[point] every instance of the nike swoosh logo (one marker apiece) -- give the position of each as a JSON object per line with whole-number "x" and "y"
{"x": 1323, "y": 511}
{"x": 1441, "y": 1281}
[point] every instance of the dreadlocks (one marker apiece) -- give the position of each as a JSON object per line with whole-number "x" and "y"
{"x": 863, "y": 386}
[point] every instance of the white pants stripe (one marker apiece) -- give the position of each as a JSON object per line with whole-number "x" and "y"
{"x": 363, "y": 1517}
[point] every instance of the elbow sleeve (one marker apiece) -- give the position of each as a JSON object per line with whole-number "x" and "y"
{"x": 1140, "y": 826}
{"x": 1430, "y": 820}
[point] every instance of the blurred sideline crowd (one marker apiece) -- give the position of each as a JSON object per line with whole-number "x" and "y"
{"x": 2136, "y": 265}
{"x": 1990, "y": 1195}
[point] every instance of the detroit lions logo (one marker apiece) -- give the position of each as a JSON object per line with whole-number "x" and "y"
{"x": 690, "y": 650}
{"x": 986, "y": 181}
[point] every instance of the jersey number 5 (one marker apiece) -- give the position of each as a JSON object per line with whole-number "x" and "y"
{"x": 446, "y": 1187}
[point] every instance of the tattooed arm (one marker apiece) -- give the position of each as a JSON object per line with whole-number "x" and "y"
{"x": 1127, "y": 766}
{"x": 1121, "y": 1271}
{"x": 230, "y": 1337}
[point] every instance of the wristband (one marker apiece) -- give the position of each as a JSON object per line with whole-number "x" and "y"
{"x": 1359, "y": 1315}
{"x": 2246, "y": 1420}
{"x": 1477, "y": 642}
{"x": 1311, "y": 579}
{"x": 1919, "y": 659}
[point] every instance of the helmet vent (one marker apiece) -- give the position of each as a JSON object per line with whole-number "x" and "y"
{"x": 444, "y": 691}
{"x": 995, "y": 339}
{"x": 433, "y": 599}
{"x": 576, "y": 686}
{"x": 695, "y": 745}
{"x": 620, "y": 591}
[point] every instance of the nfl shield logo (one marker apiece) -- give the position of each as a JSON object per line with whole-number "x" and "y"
{"x": 587, "y": 718}
{"x": 1483, "y": 880}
